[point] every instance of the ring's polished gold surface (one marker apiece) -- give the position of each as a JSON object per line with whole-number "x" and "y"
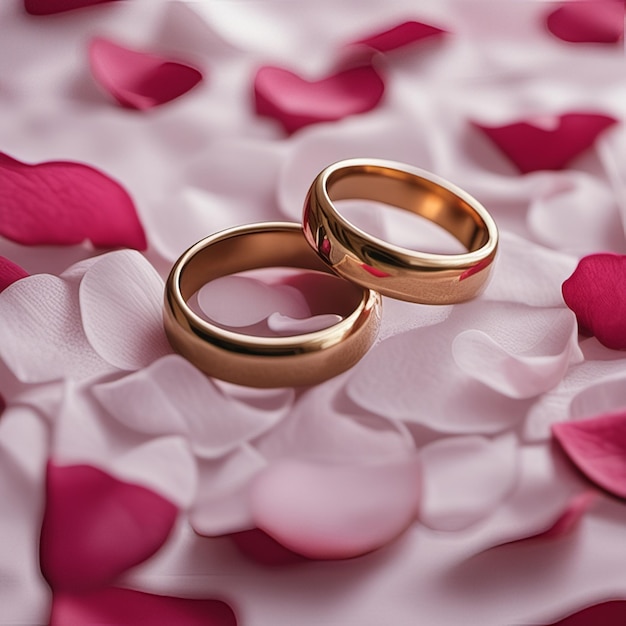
{"x": 262, "y": 361}
{"x": 391, "y": 270}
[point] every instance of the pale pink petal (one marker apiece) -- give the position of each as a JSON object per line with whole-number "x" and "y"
{"x": 464, "y": 479}
{"x": 9, "y": 273}
{"x": 242, "y": 301}
{"x": 295, "y": 102}
{"x": 552, "y": 347}
{"x": 607, "y": 396}
{"x": 41, "y": 334}
{"x": 173, "y": 397}
{"x": 400, "y": 35}
{"x": 611, "y": 613}
{"x": 532, "y": 147}
{"x": 598, "y": 448}
{"x": 119, "y": 607}
{"x": 595, "y": 293}
{"x": 95, "y": 527}
{"x": 121, "y": 304}
{"x": 335, "y": 511}
{"x": 48, "y": 7}
{"x": 222, "y": 504}
{"x": 62, "y": 202}
{"x": 138, "y": 79}
{"x": 585, "y": 21}
{"x": 285, "y": 325}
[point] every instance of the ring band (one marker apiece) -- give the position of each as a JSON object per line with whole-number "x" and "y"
{"x": 262, "y": 361}
{"x": 391, "y": 270}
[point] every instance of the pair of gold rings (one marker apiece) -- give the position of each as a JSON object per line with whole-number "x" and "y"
{"x": 327, "y": 242}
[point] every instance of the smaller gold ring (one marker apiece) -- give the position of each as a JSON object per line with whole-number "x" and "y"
{"x": 262, "y": 361}
{"x": 392, "y": 270}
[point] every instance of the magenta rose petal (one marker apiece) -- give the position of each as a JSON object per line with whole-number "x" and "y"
{"x": 335, "y": 511}
{"x": 139, "y": 80}
{"x": 597, "y": 446}
{"x": 119, "y": 607}
{"x": 585, "y": 21}
{"x": 9, "y": 273}
{"x": 400, "y": 35}
{"x": 532, "y": 145}
{"x": 612, "y": 613}
{"x": 296, "y": 102}
{"x": 65, "y": 203}
{"x": 48, "y": 7}
{"x": 595, "y": 293}
{"x": 95, "y": 527}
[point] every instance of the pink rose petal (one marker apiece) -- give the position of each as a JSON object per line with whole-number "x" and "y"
{"x": 261, "y": 548}
{"x": 597, "y": 446}
{"x": 296, "y": 102}
{"x": 335, "y": 512}
{"x": 595, "y": 292}
{"x": 285, "y": 325}
{"x": 402, "y": 34}
{"x": 95, "y": 527}
{"x": 9, "y": 273}
{"x": 611, "y": 613}
{"x": 585, "y": 21}
{"x": 139, "y": 80}
{"x": 48, "y": 7}
{"x": 532, "y": 147}
{"x": 122, "y": 607}
{"x": 65, "y": 203}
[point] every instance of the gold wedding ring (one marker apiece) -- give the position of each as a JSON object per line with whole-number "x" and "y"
{"x": 391, "y": 270}
{"x": 263, "y": 361}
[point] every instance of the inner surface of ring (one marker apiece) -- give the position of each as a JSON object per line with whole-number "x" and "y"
{"x": 418, "y": 195}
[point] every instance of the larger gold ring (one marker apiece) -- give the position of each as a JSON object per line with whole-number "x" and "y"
{"x": 391, "y": 270}
{"x": 262, "y": 361}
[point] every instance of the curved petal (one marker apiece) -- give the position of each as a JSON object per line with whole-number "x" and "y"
{"x": 295, "y": 102}
{"x": 611, "y": 613}
{"x": 173, "y": 397}
{"x": 112, "y": 605}
{"x": 61, "y": 202}
{"x": 335, "y": 512}
{"x": 465, "y": 478}
{"x": 120, "y": 302}
{"x": 598, "y": 448}
{"x": 285, "y": 325}
{"x": 41, "y": 334}
{"x": 9, "y": 273}
{"x": 532, "y": 147}
{"x": 139, "y": 80}
{"x": 48, "y": 7}
{"x": 400, "y": 35}
{"x": 607, "y": 396}
{"x": 584, "y": 21}
{"x": 594, "y": 292}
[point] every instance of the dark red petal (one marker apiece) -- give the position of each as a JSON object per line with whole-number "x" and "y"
{"x": 263, "y": 549}
{"x": 597, "y": 446}
{"x": 531, "y": 147}
{"x": 47, "y": 7}
{"x": 588, "y": 21}
{"x": 296, "y": 102}
{"x": 123, "y": 607}
{"x": 61, "y": 202}
{"x": 402, "y": 34}
{"x": 3, "y": 404}
{"x": 596, "y": 294}
{"x": 612, "y": 613}
{"x": 95, "y": 527}
{"x": 139, "y": 80}
{"x": 9, "y": 273}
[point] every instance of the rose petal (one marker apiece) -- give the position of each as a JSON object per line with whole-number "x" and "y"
{"x": 607, "y": 396}
{"x": 597, "y": 446}
{"x": 48, "y": 7}
{"x": 335, "y": 512}
{"x": 296, "y": 102}
{"x": 464, "y": 479}
{"x": 239, "y": 301}
{"x": 95, "y": 527}
{"x": 120, "y": 302}
{"x": 137, "y": 79}
{"x": 41, "y": 334}
{"x": 612, "y": 613}
{"x": 532, "y": 147}
{"x": 173, "y": 397}
{"x": 594, "y": 292}
{"x": 597, "y": 21}
{"x": 60, "y": 202}
{"x": 402, "y": 34}
{"x": 116, "y": 606}
{"x": 9, "y": 273}
{"x": 285, "y": 325}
